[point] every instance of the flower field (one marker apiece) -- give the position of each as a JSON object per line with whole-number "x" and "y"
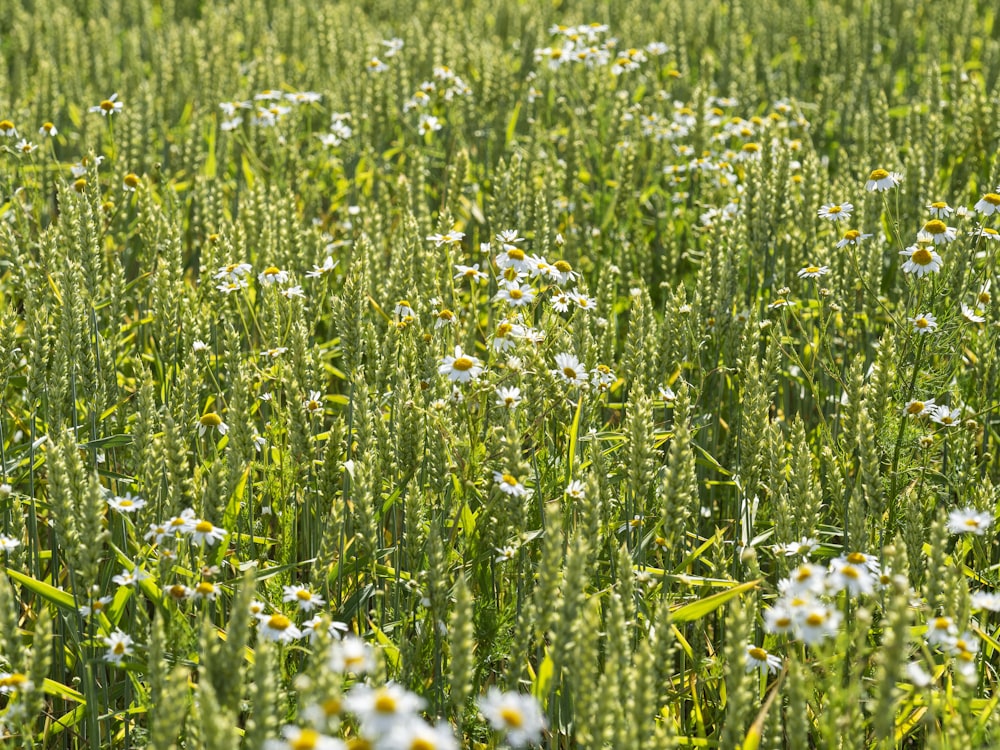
{"x": 468, "y": 374}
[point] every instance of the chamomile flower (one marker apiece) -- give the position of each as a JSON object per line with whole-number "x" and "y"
{"x": 379, "y": 709}
{"x": 938, "y": 232}
{"x": 95, "y": 606}
{"x": 130, "y": 577}
{"x": 989, "y": 204}
{"x": 131, "y": 182}
{"x": 306, "y": 600}
{"x": 583, "y": 301}
{"x": 570, "y": 369}
{"x": 924, "y": 323}
{"x": 880, "y": 181}
{"x": 48, "y": 129}
{"x": 108, "y": 107}
{"x": 759, "y": 658}
{"x": 817, "y": 623}
{"x": 277, "y": 627}
{"x": 986, "y": 601}
{"x": 211, "y": 421}
{"x": 119, "y": 646}
{"x": 448, "y": 238}
{"x": 779, "y": 619}
{"x": 852, "y": 237}
{"x": 856, "y": 579}
{"x": 128, "y": 504}
{"x": 508, "y": 397}
{"x": 510, "y": 485}
{"x": 272, "y": 275}
{"x": 505, "y": 554}
{"x": 205, "y": 532}
{"x": 25, "y": 146}
{"x": 987, "y": 233}
{"x": 352, "y": 655}
{"x": 921, "y": 260}
{"x": 460, "y": 368}
{"x": 416, "y": 734}
{"x": 471, "y": 272}
{"x": 940, "y": 210}
{"x": 971, "y": 315}
{"x": 805, "y": 580}
{"x": 518, "y": 716}
{"x": 445, "y": 317}
{"x": 204, "y": 590}
{"x": 813, "y": 272}
{"x": 836, "y": 211}
{"x": 376, "y": 66}
{"x": 940, "y": 630}
{"x": 945, "y": 416}
{"x": 8, "y": 543}
{"x": 7, "y": 129}
{"x": 233, "y": 272}
{"x": 969, "y": 521}
{"x": 328, "y": 265}
{"x": 428, "y": 124}
{"x": 917, "y": 408}
{"x": 303, "y": 738}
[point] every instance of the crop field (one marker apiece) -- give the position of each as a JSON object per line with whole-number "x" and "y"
{"x": 509, "y": 374}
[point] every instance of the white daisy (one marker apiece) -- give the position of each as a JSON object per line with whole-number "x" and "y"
{"x": 461, "y": 367}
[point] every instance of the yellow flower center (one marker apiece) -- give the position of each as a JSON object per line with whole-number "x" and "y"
{"x": 272, "y": 271}
{"x": 511, "y": 717}
{"x": 123, "y": 503}
{"x": 462, "y": 364}
{"x": 331, "y": 706}
{"x": 812, "y": 269}
{"x": 107, "y": 105}
{"x": 569, "y": 372}
{"x": 516, "y": 294}
{"x": 385, "y": 703}
{"x": 878, "y": 174}
{"x": 515, "y": 254}
{"x": 757, "y": 653}
{"x": 984, "y": 298}
{"x": 921, "y": 322}
{"x": 308, "y": 739}
{"x": 935, "y": 226}
{"x": 751, "y": 148}
{"x": 562, "y": 266}
{"x": 922, "y": 257}
{"x": 17, "y": 679}
{"x": 419, "y": 743}
{"x": 131, "y": 180}
{"x": 851, "y": 234}
{"x": 6, "y": 125}
{"x": 446, "y": 315}
{"x": 856, "y": 558}
{"x": 915, "y": 408}
{"x": 119, "y": 648}
{"x": 205, "y": 588}
{"x": 509, "y": 479}
{"x": 815, "y": 619}
{"x": 204, "y": 527}
{"x": 303, "y": 596}
{"x": 783, "y": 622}
{"x": 972, "y": 523}
{"x": 503, "y": 330}
{"x": 278, "y": 622}
{"x": 834, "y": 209}
{"x": 80, "y": 185}
{"x": 178, "y": 591}
{"x": 991, "y": 232}
{"x": 48, "y": 127}
{"x": 211, "y": 420}
{"x": 851, "y": 572}
{"x": 804, "y": 574}
{"x": 942, "y": 623}
{"x": 939, "y": 205}
{"x": 991, "y": 198}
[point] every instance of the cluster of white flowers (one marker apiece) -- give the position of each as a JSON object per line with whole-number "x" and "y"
{"x": 585, "y": 45}
{"x": 186, "y": 525}
{"x": 804, "y": 609}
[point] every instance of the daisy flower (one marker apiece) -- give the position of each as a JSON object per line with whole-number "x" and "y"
{"x": 303, "y": 597}
{"x": 519, "y": 716}
{"x": 505, "y": 554}
{"x": 25, "y": 146}
{"x": 277, "y": 627}
{"x": 461, "y": 368}
{"x": 508, "y": 398}
{"x": 207, "y": 533}
{"x": 129, "y": 577}
{"x": 937, "y": 232}
{"x": 575, "y": 490}
{"x": 448, "y": 238}
{"x": 128, "y": 504}
{"x": 924, "y": 323}
{"x": 940, "y": 210}
{"x": 108, "y": 107}
{"x": 510, "y": 485}
{"x": 758, "y": 658}
{"x": 813, "y": 272}
{"x": 817, "y": 623}
{"x": 380, "y": 709}
{"x": 921, "y": 260}
{"x": 119, "y": 646}
{"x": 570, "y": 369}
{"x": 584, "y": 302}
{"x": 314, "y": 403}
{"x": 880, "y": 180}
{"x": 969, "y": 521}
{"x": 471, "y": 272}
{"x": 328, "y": 265}
{"x": 987, "y": 233}
{"x": 210, "y": 421}
{"x": 971, "y": 315}
{"x": 916, "y": 408}
{"x": 7, "y": 129}
{"x": 272, "y": 275}
{"x": 205, "y": 590}
{"x": 48, "y": 129}
{"x": 352, "y": 655}
{"x": 852, "y": 237}
{"x": 445, "y": 317}
{"x": 95, "y": 606}
{"x": 986, "y": 600}
{"x": 940, "y": 630}
{"x": 989, "y": 204}
{"x": 8, "y": 543}
{"x": 857, "y": 579}
{"x": 836, "y": 211}
{"x": 376, "y": 66}
{"x": 179, "y": 592}
{"x": 303, "y": 738}
{"x": 945, "y": 416}
{"x": 778, "y": 619}
{"x": 416, "y": 734}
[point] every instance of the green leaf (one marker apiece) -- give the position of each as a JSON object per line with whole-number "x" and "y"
{"x": 47, "y": 591}
{"x": 702, "y": 607}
